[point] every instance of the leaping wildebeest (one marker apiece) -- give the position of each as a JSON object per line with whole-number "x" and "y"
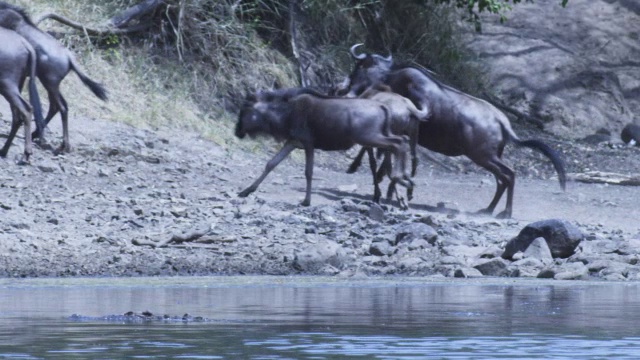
{"x": 459, "y": 124}
{"x": 308, "y": 120}
{"x": 17, "y": 61}
{"x": 54, "y": 63}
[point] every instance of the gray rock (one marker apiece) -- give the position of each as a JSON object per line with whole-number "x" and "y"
{"x": 381, "y": 247}
{"x": 546, "y": 273}
{"x": 314, "y": 257}
{"x": 538, "y": 249}
{"x": 376, "y": 213}
{"x": 416, "y": 230}
{"x": 418, "y": 244}
{"x": 614, "y": 268}
{"x": 561, "y": 237}
{"x": 47, "y": 166}
{"x": 467, "y": 273}
{"x": 492, "y": 252}
{"x": 463, "y": 251}
{"x": 572, "y": 271}
{"x": 527, "y": 267}
{"x": 493, "y": 267}
{"x": 412, "y": 264}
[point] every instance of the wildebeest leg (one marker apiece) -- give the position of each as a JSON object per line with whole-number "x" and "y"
{"x": 357, "y": 161}
{"x": 376, "y": 183}
{"x": 505, "y": 180}
{"x": 281, "y": 155}
{"x": 308, "y": 173}
{"x": 413, "y": 143}
{"x": 385, "y": 167}
{"x": 53, "y": 110}
{"x": 21, "y": 111}
{"x": 65, "y": 147}
{"x": 500, "y": 188}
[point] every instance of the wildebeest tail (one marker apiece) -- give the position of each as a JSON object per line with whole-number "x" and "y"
{"x": 95, "y": 87}
{"x": 34, "y": 98}
{"x": 556, "y": 160}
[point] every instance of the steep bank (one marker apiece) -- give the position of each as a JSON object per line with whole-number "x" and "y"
{"x": 576, "y": 68}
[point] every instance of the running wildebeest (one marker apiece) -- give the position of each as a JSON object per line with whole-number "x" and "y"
{"x": 459, "y": 124}
{"x": 310, "y": 121}
{"x": 17, "y": 61}
{"x": 54, "y": 63}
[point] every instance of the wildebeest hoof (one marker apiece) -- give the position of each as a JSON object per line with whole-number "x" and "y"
{"x": 245, "y": 193}
{"x": 352, "y": 169}
{"x": 42, "y": 144}
{"x": 409, "y": 194}
{"x": 484, "y": 212}
{"x": 62, "y": 150}
{"x": 305, "y": 202}
{"x": 24, "y": 160}
{"x": 504, "y": 215}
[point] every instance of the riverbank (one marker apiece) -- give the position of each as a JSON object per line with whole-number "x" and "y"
{"x": 134, "y": 202}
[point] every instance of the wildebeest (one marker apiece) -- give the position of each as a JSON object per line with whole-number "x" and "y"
{"x": 404, "y": 117}
{"x": 308, "y": 120}
{"x": 17, "y": 61}
{"x": 404, "y": 121}
{"x": 631, "y": 134}
{"x": 54, "y": 63}
{"x": 459, "y": 124}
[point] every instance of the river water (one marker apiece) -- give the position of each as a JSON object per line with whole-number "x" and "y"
{"x": 319, "y": 318}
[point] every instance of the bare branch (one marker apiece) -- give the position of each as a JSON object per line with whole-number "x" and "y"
{"x": 135, "y": 12}
{"x": 497, "y": 103}
{"x": 91, "y": 31}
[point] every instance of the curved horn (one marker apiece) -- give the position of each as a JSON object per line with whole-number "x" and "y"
{"x": 352, "y": 50}
{"x": 387, "y": 59}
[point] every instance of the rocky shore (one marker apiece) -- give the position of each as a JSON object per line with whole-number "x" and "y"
{"x": 132, "y": 202}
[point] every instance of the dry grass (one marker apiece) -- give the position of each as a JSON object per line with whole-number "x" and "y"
{"x": 150, "y": 86}
{"x": 193, "y": 74}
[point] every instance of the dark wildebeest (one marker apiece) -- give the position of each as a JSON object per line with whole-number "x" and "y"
{"x": 17, "y": 61}
{"x": 459, "y": 124}
{"x": 54, "y": 63}
{"x": 404, "y": 121}
{"x": 631, "y": 134}
{"x": 310, "y": 121}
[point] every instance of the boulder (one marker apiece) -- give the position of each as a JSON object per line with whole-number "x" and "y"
{"x": 314, "y": 257}
{"x": 493, "y": 267}
{"x": 568, "y": 271}
{"x": 538, "y": 249}
{"x": 527, "y": 267}
{"x": 416, "y": 230}
{"x": 561, "y": 237}
{"x": 467, "y": 273}
{"x": 381, "y": 247}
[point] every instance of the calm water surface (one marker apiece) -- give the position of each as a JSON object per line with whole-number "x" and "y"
{"x": 320, "y": 318}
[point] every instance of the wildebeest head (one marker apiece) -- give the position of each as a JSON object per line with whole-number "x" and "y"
{"x": 369, "y": 69}
{"x": 264, "y": 113}
{"x": 250, "y": 119}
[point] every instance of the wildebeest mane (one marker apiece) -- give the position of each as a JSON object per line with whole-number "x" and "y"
{"x": 19, "y": 10}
